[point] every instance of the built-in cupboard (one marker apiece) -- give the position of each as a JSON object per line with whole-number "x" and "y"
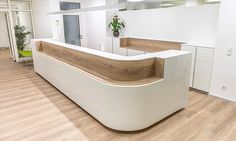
{"x": 201, "y": 69}
{"x": 202, "y": 62}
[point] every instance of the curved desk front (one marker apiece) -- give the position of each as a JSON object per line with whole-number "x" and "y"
{"x": 123, "y": 93}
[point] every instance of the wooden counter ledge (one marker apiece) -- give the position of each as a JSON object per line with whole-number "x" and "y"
{"x": 148, "y": 45}
{"x": 121, "y": 72}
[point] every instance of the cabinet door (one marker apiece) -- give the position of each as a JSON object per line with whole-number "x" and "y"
{"x": 191, "y": 49}
{"x": 203, "y": 68}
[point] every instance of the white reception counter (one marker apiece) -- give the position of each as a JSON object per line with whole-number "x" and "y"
{"x": 123, "y": 93}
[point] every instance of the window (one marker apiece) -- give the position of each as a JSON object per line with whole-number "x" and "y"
{"x": 24, "y": 19}
{"x": 20, "y": 5}
{"x": 3, "y": 4}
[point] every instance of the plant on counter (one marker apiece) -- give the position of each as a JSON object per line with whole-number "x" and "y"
{"x": 20, "y": 34}
{"x": 116, "y": 25}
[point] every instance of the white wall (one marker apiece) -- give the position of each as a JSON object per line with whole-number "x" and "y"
{"x": 4, "y": 38}
{"x": 95, "y": 25}
{"x": 224, "y": 69}
{"x": 56, "y": 21}
{"x": 195, "y": 25}
{"x": 92, "y": 24}
{"x": 42, "y": 22}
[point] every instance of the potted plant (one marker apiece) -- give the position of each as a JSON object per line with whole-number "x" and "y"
{"x": 116, "y": 25}
{"x": 20, "y": 34}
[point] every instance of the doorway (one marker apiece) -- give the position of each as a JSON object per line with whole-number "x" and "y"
{"x": 71, "y": 24}
{"x": 5, "y": 36}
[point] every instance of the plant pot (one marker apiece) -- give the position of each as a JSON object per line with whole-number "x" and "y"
{"x": 116, "y": 33}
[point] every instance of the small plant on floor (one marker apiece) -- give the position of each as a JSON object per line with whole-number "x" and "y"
{"x": 116, "y": 25}
{"x": 20, "y": 34}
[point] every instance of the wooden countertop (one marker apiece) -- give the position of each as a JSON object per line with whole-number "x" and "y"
{"x": 149, "y": 45}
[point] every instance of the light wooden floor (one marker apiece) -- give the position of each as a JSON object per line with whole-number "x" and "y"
{"x": 31, "y": 109}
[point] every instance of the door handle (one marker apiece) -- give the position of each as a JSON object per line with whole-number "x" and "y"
{"x": 80, "y": 36}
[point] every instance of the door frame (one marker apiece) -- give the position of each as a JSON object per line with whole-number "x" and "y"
{"x": 62, "y": 20}
{"x": 10, "y": 33}
{"x": 12, "y": 49}
{"x": 82, "y": 23}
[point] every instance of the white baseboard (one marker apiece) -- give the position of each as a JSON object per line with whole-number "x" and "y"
{"x": 223, "y": 97}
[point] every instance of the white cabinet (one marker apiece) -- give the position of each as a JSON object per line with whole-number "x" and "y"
{"x": 191, "y": 49}
{"x": 202, "y": 61}
{"x": 203, "y": 68}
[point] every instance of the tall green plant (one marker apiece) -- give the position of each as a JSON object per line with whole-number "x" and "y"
{"x": 116, "y": 25}
{"x": 21, "y": 33}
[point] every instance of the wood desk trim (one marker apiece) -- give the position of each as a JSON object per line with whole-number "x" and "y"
{"x": 148, "y": 45}
{"x": 133, "y": 72}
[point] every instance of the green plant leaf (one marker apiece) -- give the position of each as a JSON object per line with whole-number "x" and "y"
{"x": 20, "y": 34}
{"x": 116, "y": 24}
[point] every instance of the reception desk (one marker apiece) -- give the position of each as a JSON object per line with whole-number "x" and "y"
{"x": 123, "y": 93}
